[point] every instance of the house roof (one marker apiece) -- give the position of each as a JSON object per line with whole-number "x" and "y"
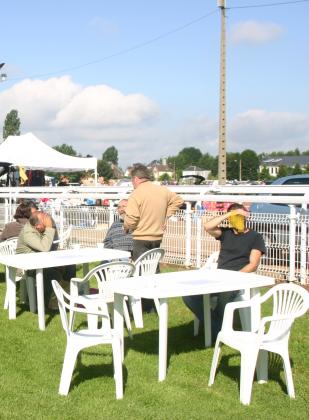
{"x": 285, "y": 161}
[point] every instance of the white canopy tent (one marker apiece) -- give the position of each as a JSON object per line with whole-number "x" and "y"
{"x": 31, "y": 153}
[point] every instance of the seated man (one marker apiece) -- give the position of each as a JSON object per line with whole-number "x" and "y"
{"x": 37, "y": 236}
{"x": 116, "y": 237}
{"x": 241, "y": 250}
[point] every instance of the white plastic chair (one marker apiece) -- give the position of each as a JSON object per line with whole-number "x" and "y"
{"x": 8, "y": 247}
{"x": 245, "y": 315}
{"x": 145, "y": 265}
{"x": 79, "y": 340}
{"x": 64, "y": 239}
{"x": 289, "y": 302}
{"x": 104, "y": 275}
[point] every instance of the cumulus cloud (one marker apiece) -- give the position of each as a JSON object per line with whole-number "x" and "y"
{"x": 89, "y": 118}
{"x": 267, "y": 131}
{"x": 253, "y": 32}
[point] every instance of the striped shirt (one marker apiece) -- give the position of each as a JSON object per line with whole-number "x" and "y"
{"x": 116, "y": 238}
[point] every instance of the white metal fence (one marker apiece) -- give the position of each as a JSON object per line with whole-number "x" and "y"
{"x": 185, "y": 241}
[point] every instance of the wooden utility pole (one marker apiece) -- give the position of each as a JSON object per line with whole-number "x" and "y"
{"x": 222, "y": 116}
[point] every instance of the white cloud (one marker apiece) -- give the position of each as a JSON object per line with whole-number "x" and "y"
{"x": 93, "y": 118}
{"x": 253, "y": 32}
{"x": 268, "y": 131}
{"x": 88, "y": 118}
{"x": 259, "y": 130}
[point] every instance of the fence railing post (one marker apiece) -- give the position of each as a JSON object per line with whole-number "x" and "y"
{"x": 303, "y": 245}
{"x": 292, "y": 242}
{"x": 188, "y": 233}
{"x": 198, "y": 220}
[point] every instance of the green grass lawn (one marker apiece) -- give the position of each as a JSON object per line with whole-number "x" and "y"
{"x": 31, "y": 362}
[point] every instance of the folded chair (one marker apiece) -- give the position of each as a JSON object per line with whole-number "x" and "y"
{"x": 272, "y": 335}
{"x": 79, "y": 340}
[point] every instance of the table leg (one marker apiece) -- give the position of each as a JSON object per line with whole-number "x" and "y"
{"x": 40, "y": 298}
{"x": 207, "y": 320}
{"x": 11, "y": 290}
{"x": 118, "y": 319}
{"x": 163, "y": 324}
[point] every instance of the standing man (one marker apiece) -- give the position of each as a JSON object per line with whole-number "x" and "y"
{"x": 116, "y": 237}
{"x": 149, "y": 207}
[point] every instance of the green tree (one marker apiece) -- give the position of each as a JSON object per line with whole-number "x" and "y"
{"x": 111, "y": 155}
{"x": 233, "y": 165}
{"x": 164, "y": 177}
{"x": 249, "y": 165}
{"x": 264, "y": 174}
{"x": 187, "y": 157}
{"x": 11, "y": 124}
{"x": 104, "y": 169}
{"x": 297, "y": 170}
{"x": 283, "y": 171}
{"x": 66, "y": 149}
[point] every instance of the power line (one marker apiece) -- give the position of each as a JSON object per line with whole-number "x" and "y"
{"x": 124, "y": 51}
{"x": 281, "y": 3}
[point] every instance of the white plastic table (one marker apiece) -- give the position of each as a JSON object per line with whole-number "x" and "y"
{"x": 39, "y": 260}
{"x": 184, "y": 283}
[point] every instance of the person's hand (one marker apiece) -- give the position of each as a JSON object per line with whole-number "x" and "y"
{"x": 48, "y": 221}
{"x": 241, "y": 212}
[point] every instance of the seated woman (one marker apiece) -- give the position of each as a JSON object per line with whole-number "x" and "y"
{"x": 21, "y": 216}
{"x": 241, "y": 250}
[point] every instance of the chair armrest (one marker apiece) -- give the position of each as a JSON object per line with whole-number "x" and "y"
{"x": 230, "y": 309}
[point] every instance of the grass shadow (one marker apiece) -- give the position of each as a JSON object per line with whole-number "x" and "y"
{"x": 275, "y": 366}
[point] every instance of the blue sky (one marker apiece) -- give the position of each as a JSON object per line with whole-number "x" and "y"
{"x": 144, "y": 75}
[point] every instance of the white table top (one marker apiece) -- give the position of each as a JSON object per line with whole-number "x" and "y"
{"x": 189, "y": 282}
{"x": 37, "y": 260}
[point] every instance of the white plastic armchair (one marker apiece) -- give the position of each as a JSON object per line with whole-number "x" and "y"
{"x": 145, "y": 265}
{"x": 271, "y": 335}
{"x": 78, "y": 340}
{"x": 104, "y": 275}
{"x": 64, "y": 239}
{"x": 8, "y": 247}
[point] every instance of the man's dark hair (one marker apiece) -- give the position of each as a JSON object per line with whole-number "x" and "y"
{"x": 235, "y": 206}
{"x": 141, "y": 172}
{"x": 23, "y": 211}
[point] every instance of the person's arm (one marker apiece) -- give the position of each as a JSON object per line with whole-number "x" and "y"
{"x": 40, "y": 242}
{"x": 132, "y": 215}
{"x": 108, "y": 243}
{"x": 174, "y": 202}
{"x": 254, "y": 261}
{"x": 212, "y": 226}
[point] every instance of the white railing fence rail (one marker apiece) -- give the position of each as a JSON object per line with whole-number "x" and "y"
{"x": 185, "y": 241}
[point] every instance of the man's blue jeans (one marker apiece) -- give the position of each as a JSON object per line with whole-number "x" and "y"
{"x": 195, "y": 304}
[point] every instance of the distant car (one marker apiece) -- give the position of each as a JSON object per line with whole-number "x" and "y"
{"x": 276, "y": 228}
{"x": 280, "y": 208}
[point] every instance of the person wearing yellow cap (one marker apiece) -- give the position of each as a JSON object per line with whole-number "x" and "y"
{"x": 241, "y": 250}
